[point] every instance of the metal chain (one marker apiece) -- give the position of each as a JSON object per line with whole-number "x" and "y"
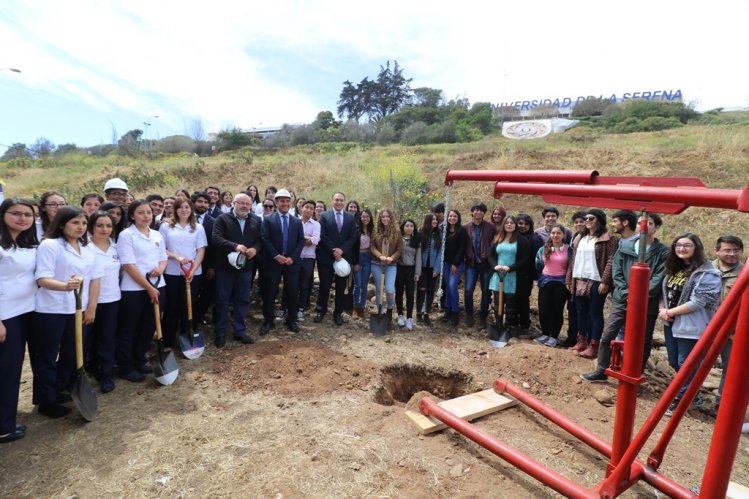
{"x": 442, "y": 249}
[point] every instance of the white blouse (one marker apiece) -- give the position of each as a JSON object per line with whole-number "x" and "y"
{"x": 183, "y": 241}
{"x": 145, "y": 252}
{"x": 17, "y": 281}
{"x": 56, "y": 259}
{"x": 109, "y": 263}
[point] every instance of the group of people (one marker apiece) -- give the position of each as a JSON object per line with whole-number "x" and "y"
{"x": 123, "y": 255}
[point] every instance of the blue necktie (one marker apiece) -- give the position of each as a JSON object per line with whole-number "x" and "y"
{"x": 284, "y": 234}
{"x": 338, "y": 220}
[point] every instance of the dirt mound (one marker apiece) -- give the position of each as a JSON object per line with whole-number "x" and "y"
{"x": 294, "y": 368}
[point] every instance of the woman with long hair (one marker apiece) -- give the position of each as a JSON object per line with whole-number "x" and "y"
{"x": 91, "y": 203}
{"x": 103, "y": 337}
{"x": 254, "y": 194}
{"x": 49, "y": 204}
{"x": 498, "y": 215}
{"x": 431, "y": 263}
{"x": 589, "y": 279}
{"x": 456, "y": 241}
{"x": 386, "y": 247}
{"x": 65, "y": 262}
{"x": 551, "y": 263}
{"x": 18, "y": 247}
{"x": 185, "y": 241}
{"x": 319, "y": 208}
{"x": 508, "y": 257}
{"x": 119, "y": 216}
{"x": 353, "y": 208}
{"x": 142, "y": 251}
{"x": 409, "y": 272}
{"x": 363, "y": 266}
{"x": 227, "y": 198}
{"x": 690, "y": 296}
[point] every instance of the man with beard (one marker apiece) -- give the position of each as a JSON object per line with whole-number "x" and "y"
{"x": 201, "y": 203}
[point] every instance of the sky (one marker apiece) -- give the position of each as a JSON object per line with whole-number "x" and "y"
{"x": 92, "y": 70}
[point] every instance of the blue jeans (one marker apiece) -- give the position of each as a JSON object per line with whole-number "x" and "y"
{"x": 482, "y": 274}
{"x": 232, "y": 287}
{"x": 390, "y": 272}
{"x": 590, "y": 313}
{"x": 685, "y": 347}
{"x": 671, "y": 348}
{"x": 725, "y": 355}
{"x": 451, "y": 285}
{"x": 361, "y": 279}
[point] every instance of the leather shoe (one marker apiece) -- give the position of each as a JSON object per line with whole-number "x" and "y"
{"x": 21, "y": 427}
{"x": 266, "y": 327}
{"x": 245, "y": 339}
{"x": 220, "y": 341}
{"x": 133, "y": 376}
{"x": 319, "y": 317}
{"x": 106, "y": 385}
{"x": 293, "y": 326}
{"x": 64, "y": 398}
{"x": 338, "y": 320}
{"x": 145, "y": 369}
{"x": 53, "y": 410}
{"x": 12, "y": 437}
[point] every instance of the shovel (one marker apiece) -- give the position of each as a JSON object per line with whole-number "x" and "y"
{"x": 192, "y": 343}
{"x": 378, "y": 324}
{"x": 498, "y": 335}
{"x": 165, "y": 367}
{"x": 83, "y": 393}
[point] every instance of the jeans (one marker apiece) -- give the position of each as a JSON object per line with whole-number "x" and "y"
{"x": 671, "y": 347}
{"x": 232, "y": 287}
{"x": 590, "y": 313}
{"x": 361, "y": 279}
{"x": 482, "y": 274}
{"x": 552, "y": 299}
{"x": 390, "y": 272}
{"x": 451, "y": 286}
{"x": 305, "y": 282}
{"x": 725, "y": 355}
{"x": 685, "y": 347}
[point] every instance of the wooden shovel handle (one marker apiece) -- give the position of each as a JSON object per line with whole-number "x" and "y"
{"x": 189, "y": 300}
{"x": 78, "y": 327}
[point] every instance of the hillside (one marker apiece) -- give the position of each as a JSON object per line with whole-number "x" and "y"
{"x": 716, "y": 154}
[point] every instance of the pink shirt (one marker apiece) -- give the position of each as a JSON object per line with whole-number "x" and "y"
{"x": 556, "y": 264}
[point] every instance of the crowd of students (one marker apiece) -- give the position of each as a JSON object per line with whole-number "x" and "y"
{"x": 126, "y": 254}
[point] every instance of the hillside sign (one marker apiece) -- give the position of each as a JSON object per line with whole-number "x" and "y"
{"x": 568, "y": 102}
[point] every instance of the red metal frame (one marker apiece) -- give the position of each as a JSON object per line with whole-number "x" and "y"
{"x": 666, "y": 195}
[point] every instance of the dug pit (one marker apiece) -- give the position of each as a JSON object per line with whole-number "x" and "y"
{"x": 400, "y": 382}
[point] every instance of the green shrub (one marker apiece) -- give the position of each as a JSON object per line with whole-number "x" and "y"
{"x": 415, "y": 134}
{"x": 655, "y": 123}
{"x": 628, "y": 125}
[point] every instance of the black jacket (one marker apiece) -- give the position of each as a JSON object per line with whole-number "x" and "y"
{"x": 227, "y": 235}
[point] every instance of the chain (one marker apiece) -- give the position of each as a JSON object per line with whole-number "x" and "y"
{"x": 442, "y": 249}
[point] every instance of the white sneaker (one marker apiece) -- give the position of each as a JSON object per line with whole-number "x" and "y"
{"x": 745, "y": 428}
{"x": 401, "y": 321}
{"x": 550, "y": 342}
{"x": 542, "y": 339}
{"x": 410, "y": 324}
{"x": 300, "y": 316}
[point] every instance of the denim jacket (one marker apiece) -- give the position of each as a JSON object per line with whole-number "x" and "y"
{"x": 434, "y": 255}
{"x": 701, "y": 294}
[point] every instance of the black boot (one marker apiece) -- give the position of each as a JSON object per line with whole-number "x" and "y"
{"x": 389, "y": 317}
{"x": 454, "y": 319}
{"x": 446, "y": 316}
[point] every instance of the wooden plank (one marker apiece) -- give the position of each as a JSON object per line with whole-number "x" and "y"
{"x": 737, "y": 491}
{"x": 468, "y": 407}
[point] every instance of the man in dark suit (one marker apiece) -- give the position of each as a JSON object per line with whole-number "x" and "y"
{"x": 283, "y": 239}
{"x": 201, "y": 201}
{"x": 214, "y": 196}
{"x": 338, "y": 234}
{"x": 237, "y": 231}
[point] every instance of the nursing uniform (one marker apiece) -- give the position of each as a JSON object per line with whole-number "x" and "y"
{"x": 137, "y": 324}
{"x": 53, "y": 333}
{"x": 17, "y": 290}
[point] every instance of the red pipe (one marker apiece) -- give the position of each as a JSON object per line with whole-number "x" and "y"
{"x": 724, "y": 312}
{"x": 634, "y": 340}
{"x": 733, "y": 405}
{"x": 586, "y": 436}
{"x": 656, "y": 455}
{"x": 694, "y": 196}
{"x": 545, "y": 475}
{"x": 566, "y": 176}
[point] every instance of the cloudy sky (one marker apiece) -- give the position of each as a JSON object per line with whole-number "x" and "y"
{"x": 95, "y": 69}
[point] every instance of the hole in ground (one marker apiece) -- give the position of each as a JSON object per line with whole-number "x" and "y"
{"x": 400, "y": 382}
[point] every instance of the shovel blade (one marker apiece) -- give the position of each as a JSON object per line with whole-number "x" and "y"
{"x": 192, "y": 345}
{"x": 378, "y": 324}
{"x": 84, "y": 396}
{"x": 165, "y": 367}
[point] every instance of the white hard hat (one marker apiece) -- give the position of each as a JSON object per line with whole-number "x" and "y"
{"x": 115, "y": 183}
{"x": 342, "y": 268}
{"x": 237, "y": 260}
{"x": 283, "y": 193}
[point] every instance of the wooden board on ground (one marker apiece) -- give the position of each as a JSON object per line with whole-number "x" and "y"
{"x": 468, "y": 407}
{"x": 737, "y": 491}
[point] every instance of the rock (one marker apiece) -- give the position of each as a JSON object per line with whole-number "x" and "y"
{"x": 526, "y": 385}
{"x": 456, "y": 471}
{"x": 663, "y": 367}
{"x": 604, "y": 397}
{"x": 711, "y": 383}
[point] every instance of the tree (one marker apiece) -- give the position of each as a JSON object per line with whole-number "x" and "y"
{"x": 66, "y": 148}
{"x": 129, "y": 144}
{"x": 375, "y": 98}
{"x": 195, "y": 129}
{"x": 325, "y": 120}
{"x": 235, "y": 138}
{"x": 427, "y": 97}
{"x": 42, "y": 148}
{"x": 350, "y": 101}
{"x": 17, "y": 150}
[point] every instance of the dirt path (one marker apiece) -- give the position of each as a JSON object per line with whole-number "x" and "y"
{"x": 303, "y": 416}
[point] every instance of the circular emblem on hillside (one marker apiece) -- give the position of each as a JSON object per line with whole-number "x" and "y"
{"x": 526, "y": 130}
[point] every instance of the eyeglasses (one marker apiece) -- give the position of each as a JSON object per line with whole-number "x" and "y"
{"x": 589, "y": 218}
{"x": 20, "y": 214}
{"x": 268, "y": 206}
{"x": 55, "y": 205}
{"x": 684, "y": 246}
{"x": 731, "y": 251}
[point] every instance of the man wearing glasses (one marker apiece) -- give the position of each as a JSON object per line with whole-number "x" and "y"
{"x": 115, "y": 190}
{"x": 728, "y": 250}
